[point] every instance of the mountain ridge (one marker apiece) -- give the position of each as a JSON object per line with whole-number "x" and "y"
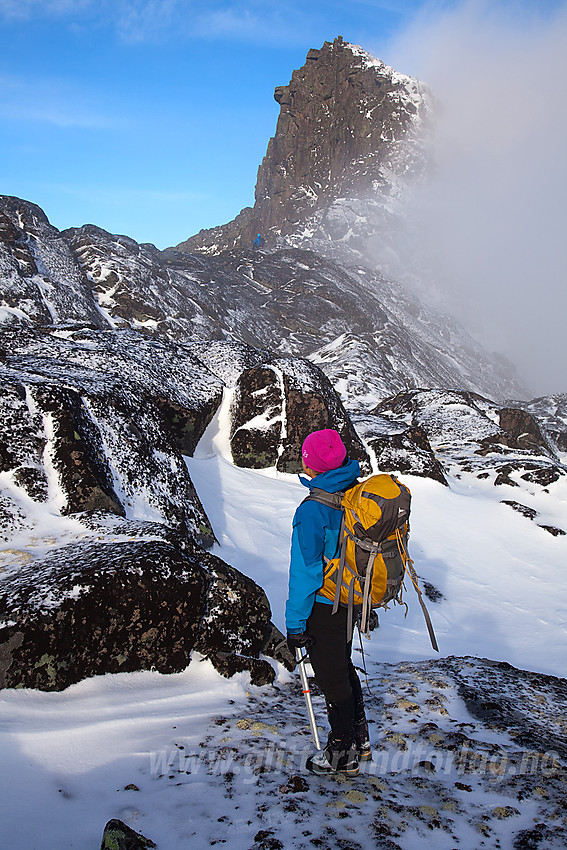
{"x": 350, "y": 127}
{"x": 290, "y": 300}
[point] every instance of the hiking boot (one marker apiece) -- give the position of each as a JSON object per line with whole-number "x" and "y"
{"x": 332, "y": 760}
{"x": 362, "y": 741}
{"x": 340, "y": 754}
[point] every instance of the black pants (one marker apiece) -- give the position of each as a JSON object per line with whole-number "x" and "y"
{"x": 330, "y": 658}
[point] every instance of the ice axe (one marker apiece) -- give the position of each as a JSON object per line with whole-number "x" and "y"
{"x": 307, "y": 694}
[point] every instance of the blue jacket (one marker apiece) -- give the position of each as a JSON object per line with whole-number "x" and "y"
{"x": 315, "y": 533}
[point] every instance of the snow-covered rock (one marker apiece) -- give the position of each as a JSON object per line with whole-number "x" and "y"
{"x": 276, "y": 405}
{"x": 42, "y": 281}
{"x": 128, "y": 597}
{"x": 101, "y": 421}
{"x": 470, "y": 434}
{"x": 400, "y": 449}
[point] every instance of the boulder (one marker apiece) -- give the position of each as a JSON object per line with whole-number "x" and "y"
{"x": 276, "y": 406}
{"x": 118, "y": 836}
{"x": 408, "y": 452}
{"x": 88, "y": 609}
{"x": 518, "y": 430}
{"x": 101, "y": 422}
{"x": 551, "y": 413}
{"x": 129, "y": 597}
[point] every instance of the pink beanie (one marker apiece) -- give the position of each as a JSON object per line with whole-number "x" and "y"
{"x": 323, "y": 450}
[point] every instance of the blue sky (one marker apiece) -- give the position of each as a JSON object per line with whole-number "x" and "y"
{"x": 150, "y": 117}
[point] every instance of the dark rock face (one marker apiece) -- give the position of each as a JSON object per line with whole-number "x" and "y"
{"x": 530, "y": 513}
{"x": 276, "y": 406}
{"x": 310, "y": 406}
{"x": 551, "y": 412}
{"x": 257, "y": 423}
{"x": 106, "y": 606}
{"x": 237, "y": 618}
{"x": 348, "y": 124}
{"x": 77, "y": 453}
{"x": 520, "y": 431}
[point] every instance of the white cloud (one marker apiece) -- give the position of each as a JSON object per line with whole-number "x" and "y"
{"x": 146, "y": 20}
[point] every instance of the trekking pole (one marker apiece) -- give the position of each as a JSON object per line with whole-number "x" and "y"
{"x": 307, "y": 694}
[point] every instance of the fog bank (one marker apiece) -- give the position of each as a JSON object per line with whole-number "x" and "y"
{"x": 492, "y": 224}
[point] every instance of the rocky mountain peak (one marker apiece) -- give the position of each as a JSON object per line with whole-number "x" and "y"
{"x": 349, "y": 126}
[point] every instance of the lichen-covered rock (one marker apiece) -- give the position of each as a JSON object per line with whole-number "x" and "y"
{"x": 90, "y": 609}
{"x": 118, "y": 836}
{"x": 442, "y": 773}
{"x": 237, "y": 617}
{"x": 129, "y": 597}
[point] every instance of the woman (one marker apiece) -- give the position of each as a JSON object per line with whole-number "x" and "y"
{"x": 310, "y": 622}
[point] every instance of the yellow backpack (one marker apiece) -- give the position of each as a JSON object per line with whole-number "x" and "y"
{"x": 373, "y": 559}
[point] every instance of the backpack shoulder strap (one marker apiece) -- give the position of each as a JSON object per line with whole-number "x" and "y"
{"x": 332, "y": 500}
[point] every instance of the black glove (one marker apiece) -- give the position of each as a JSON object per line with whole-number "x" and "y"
{"x": 302, "y": 639}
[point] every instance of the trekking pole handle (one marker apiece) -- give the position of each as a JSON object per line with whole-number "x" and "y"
{"x": 307, "y": 694}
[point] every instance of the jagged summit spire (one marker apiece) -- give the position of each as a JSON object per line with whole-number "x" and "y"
{"x": 347, "y": 126}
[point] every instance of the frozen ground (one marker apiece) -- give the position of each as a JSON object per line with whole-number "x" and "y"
{"x": 192, "y": 759}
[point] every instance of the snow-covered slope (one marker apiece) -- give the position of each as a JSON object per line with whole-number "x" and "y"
{"x": 370, "y": 336}
{"x": 465, "y": 750}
